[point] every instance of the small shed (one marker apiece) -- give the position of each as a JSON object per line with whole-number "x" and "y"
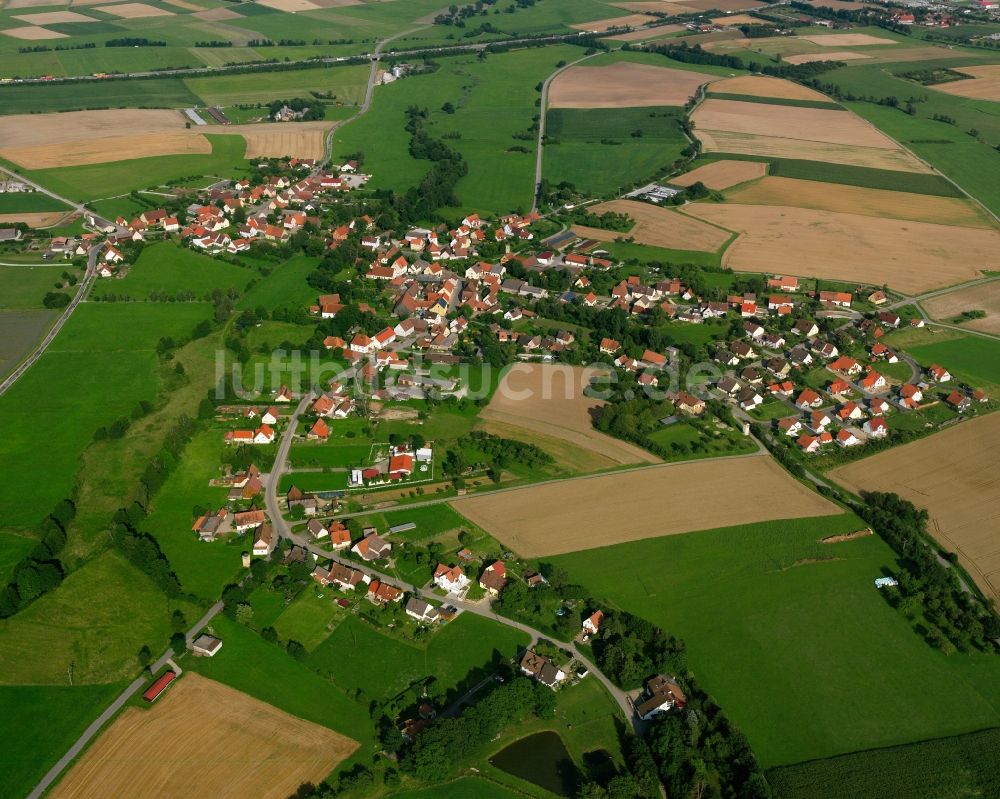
{"x": 206, "y": 645}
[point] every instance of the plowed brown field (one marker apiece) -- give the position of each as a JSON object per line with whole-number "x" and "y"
{"x": 200, "y": 739}
{"x": 659, "y": 227}
{"x": 985, "y": 297}
{"x": 722, "y": 174}
{"x": 666, "y": 500}
{"x": 954, "y": 475}
{"x": 624, "y": 85}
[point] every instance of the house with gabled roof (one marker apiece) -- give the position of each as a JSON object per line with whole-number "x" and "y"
{"x": 592, "y": 624}
{"x": 542, "y": 669}
{"x": 451, "y": 579}
{"x": 372, "y": 547}
{"x": 494, "y": 578}
{"x": 808, "y": 399}
{"x": 660, "y": 696}
{"x": 938, "y": 373}
{"x": 876, "y": 427}
{"x": 422, "y": 611}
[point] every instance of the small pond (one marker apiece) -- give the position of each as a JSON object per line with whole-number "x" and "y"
{"x": 542, "y": 759}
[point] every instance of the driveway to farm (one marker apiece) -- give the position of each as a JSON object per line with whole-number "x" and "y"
{"x": 81, "y": 292}
{"x": 95, "y": 726}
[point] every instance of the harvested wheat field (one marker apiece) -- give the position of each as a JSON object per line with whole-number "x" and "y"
{"x": 812, "y": 124}
{"x": 301, "y": 139}
{"x": 601, "y": 25}
{"x": 39, "y": 219}
{"x": 135, "y": 10}
{"x": 847, "y": 40}
{"x": 217, "y": 15}
{"x": 722, "y": 174}
{"x": 624, "y": 85}
{"x": 985, "y": 83}
{"x": 675, "y": 498}
{"x": 33, "y": 33}
{"x": 53, "y": 17}
{"x": 549, "y": 399}
{"x": 659, "y": 227}
{"x": 985, "y": 297}
{"x": 834, "y": 55}
{"x": 569, "y": 456}
{"x": 41, "y": 141}
{"x": 954, "y": 475}
{"x": 911, "y": 257}
{"x": 737, "y": 19}
{"x": 857, "y": 200}
{"x": 203, "y": 738}
{"x": 759, "y": 86}
{"x": 659, "y": 32}
{"x": 290, "y": 5}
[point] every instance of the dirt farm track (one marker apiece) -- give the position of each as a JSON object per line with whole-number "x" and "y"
{"x": 204, "y": 739}
{"x": 954, "y": 476}
{"x": 662, "y": 500}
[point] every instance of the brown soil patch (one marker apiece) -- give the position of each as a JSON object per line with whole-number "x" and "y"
{"x": 338, "y": 3}
{"x": 659, "y": 32}
{"x": 549, "y": 399}
{"x": 13, "y": 4}
{"x": 847, "y": 40}
{"x": 953, "y": 475}
{"x": 217, "y": 15}
{"x": 33, "y": 33}
{"x": 975, "y": 298}
{"x": 857, "y": 200}
{"x": 758, "y": 86}
{"x": 590, "y": 512}
{"x": 839, "y": 539}
{"x": 836, "y": 55}
{"x": 35, "y": 219}
{"x": 911, "y": 257}
{"x": 135, "y": 10}
{"x": 186, "y": 6}
{"x": 722, "y": 174}
{"x": 203, "y": 738}
{"x": 53, "y": 18}
{"x": 290, "y": 5}
{"x": 601, "y": 25}
{"x": 624, "y": 85}
{"x": 811, "y": 124}
{"x": 659, "y": 227}
{"x": 985, "y": 84}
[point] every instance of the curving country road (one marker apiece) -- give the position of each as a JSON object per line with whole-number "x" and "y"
{"x": 81, "y": 292}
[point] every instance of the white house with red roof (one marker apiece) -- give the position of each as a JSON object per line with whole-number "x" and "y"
{"x": 451, "y": 579}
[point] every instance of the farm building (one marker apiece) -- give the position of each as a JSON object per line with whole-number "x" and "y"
{"x": 159, "y": 685}
{"x": 206, "y": 645}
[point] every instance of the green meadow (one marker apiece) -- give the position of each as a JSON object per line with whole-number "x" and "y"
{"x": 358, "y": 657}
{"x": 13, "y": 547}
{"x": 92, "y": 626}
{"x": 250, "y": 664}
{"x": 600, "y": 150}
{"x": 168, "y": 267}
{"x": 972, "y": 359}
{"x": 493, "y": 100}
{"x": 39, "y": 723}
{"x": 25, "y": 286}
{"x": 28, "y": 202}
{"x": 284, "y": 287}
{"x": 154, "y": 93}
{"x": 346, "y": 82}
{"x": 203, "y": 569}
{"x": 781, "y": 629}
{"x": 99, "y": 366}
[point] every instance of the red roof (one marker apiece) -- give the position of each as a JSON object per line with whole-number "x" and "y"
{"x": 157, "y": 687}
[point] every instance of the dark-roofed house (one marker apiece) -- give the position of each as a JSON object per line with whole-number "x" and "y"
{"x": 661, "y": 694}
{"x": 542, "y": 669}
{"x": 422, "y": 611}
{"x": 494, "y": 578}
{"x": 206, "y": 645}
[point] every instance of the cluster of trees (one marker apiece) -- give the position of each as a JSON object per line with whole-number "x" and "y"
{"x": 139, "y": 547}
{"x": 214, "y": 43}
{"x": 952, "y": 617}
{"x": 56, "y": 299}
{"x": 609, "y": 220}
{"x": 135, "y": 41}
{"x": 40, "y": 570}
{"x": 546, "y": 607}
{"x": 451, "y": 741}
{"x": 504, "y": 451}
{"x": 310, "y": 109}
{"x": 632, "y": 415}
{"x": 696, "y": 54}
{"x": 629, "y": 649}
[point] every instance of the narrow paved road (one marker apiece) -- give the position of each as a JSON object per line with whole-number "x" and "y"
{"x": 541, "y": 123}
{"x": 81, "y": 292}
{"x": 53, "y": 773}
